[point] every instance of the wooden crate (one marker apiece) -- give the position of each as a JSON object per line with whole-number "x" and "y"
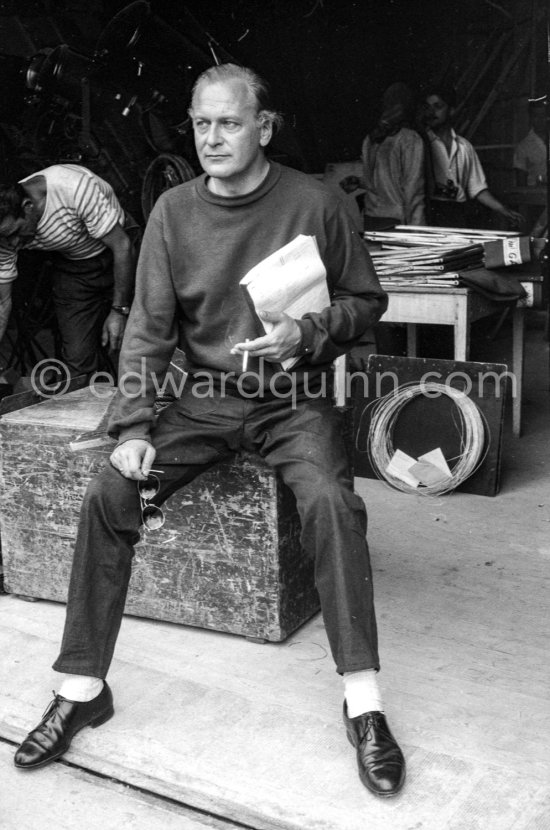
{"x": 227, "y": 558}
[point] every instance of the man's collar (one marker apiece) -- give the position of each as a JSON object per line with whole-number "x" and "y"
{"x": 433, "y": 136}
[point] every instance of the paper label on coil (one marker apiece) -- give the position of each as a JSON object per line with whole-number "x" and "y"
{"x": 436, "y": 458}
{"x": 428, "y": 474}
{"x": 399, "y": 466}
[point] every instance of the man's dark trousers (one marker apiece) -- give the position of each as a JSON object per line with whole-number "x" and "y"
{"x": 83, "y": 294}
{"x": 304, "y": 442}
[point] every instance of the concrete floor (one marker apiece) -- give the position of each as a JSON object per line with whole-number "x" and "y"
{"x": 214, "y": 731}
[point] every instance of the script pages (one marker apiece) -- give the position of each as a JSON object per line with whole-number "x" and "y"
{"x": 291, "y": 280}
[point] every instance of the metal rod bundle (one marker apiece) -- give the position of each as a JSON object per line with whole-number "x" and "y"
{"x": 423, "y": 255}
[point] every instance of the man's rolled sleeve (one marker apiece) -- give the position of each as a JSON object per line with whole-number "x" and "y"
{"x": 307, "y": 332}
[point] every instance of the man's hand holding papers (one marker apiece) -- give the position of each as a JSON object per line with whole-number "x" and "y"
{"x": 280, "y": 290}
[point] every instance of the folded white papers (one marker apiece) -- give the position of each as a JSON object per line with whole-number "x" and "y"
{"x": 399, "y": 466}
{"x": 436, "y": 458}
{"x": 430, "y": 469}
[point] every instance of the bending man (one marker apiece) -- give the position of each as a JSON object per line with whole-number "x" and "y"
{"x": 69, "y": 211}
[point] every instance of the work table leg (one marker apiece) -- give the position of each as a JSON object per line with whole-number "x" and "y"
{"x": 462, "y": 332}
{"x": 412, "y": 340}
{"x": 517, "y": 366}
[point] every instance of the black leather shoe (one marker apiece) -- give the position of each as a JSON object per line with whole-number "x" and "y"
{"x": 60, "y": 722}
{"x": 380, "y": 761}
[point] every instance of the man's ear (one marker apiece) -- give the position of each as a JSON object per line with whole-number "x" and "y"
{"x": 266, "y": 131}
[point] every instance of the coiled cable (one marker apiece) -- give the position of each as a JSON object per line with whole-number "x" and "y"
{"x": 471, "y": 426}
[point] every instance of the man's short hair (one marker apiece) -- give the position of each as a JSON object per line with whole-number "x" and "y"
{"x": 257, "y": 85}
{"x": 11, "y": 201}
{"x": 446, "y": 93}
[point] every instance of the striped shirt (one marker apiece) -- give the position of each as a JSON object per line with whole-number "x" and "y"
{"x": 80, "y": 209}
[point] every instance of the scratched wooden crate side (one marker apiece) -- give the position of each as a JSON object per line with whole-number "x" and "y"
{"x": 43, "y": 481}
{"x": 228, "y": 557}
{"x": 38, "y": 563}
{"x": 42, "y": 484}
{"x": 223, "y": 516}
{"x": 215, "y": 564}
{"x": 159, "y": 588}
{"x": 229, "y": 576}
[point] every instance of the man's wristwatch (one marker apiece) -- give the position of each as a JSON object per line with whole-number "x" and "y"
{"x": 121, "y": 309}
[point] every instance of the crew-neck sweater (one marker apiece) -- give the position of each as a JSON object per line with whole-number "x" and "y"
{"x": 196, "y": 248}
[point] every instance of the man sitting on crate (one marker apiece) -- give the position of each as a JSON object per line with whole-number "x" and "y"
{"x": 201, "y": 239}
{"x": 67, "y": 210}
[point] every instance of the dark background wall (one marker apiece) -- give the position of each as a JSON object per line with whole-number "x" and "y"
{"x": 328, "y": 62}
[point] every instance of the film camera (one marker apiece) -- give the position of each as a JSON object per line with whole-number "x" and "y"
{"x": 449, "y": 190}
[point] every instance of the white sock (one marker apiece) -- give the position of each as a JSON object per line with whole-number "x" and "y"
{"x": 362, "y": 692}
{"x": 80, "y": 687}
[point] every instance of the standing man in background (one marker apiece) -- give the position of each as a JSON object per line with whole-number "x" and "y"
{"x": 202, "y": 237}
{"x": 455, "y": 174}
{"x": 393, "y": 163}
{"x": 67, "y": 210}
{"x": 392, "y": 155}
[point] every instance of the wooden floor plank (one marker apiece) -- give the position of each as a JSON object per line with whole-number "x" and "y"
{"x": 66, "y": 798}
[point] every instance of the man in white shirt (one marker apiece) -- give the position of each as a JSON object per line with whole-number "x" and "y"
{"x": 455, "y": 174}
{"x": 69, "y": 211}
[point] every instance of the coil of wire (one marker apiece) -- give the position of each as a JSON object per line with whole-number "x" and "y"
{"x": 470, "y": 425}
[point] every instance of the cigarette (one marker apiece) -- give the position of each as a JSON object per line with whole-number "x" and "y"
{"x": 245, "y": 357}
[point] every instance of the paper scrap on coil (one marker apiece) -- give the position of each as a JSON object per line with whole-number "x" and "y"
{"x": 436, "y": 458}
{"x": 430, "y": 469}
{"x": 428, "y": 474}
{"x": 399, "y": 466}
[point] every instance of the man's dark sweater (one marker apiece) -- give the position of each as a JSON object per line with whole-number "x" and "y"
{"x": 197, "y": 247}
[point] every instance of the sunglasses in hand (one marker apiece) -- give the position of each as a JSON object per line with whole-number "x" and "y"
{"x": 152, "y": 517}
